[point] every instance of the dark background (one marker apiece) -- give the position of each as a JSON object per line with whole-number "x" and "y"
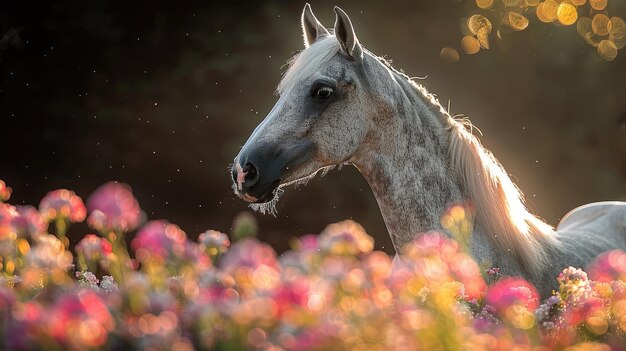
{"x": 161, "y": 95}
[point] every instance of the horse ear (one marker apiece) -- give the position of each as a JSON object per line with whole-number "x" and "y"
{"x": 344, "y": 31}
{"x": 312, "y": 29}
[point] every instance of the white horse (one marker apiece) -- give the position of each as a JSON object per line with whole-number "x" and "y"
{"x": 341, "y": 104}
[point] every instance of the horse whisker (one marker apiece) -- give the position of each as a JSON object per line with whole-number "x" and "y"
{"x": 270, "y": 206}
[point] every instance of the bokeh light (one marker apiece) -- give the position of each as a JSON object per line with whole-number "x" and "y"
{"x": 607, "y": 34}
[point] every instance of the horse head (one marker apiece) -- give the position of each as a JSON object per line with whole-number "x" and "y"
{"x": 322, "y": 116}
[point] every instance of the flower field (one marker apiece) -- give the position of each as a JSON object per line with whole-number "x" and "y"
{"x": 330, "y": 292}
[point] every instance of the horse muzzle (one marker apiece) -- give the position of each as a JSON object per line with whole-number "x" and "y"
{"x": 257, "y": 170}
{"x": 248, "y": 184}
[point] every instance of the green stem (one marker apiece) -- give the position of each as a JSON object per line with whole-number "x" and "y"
{"x": 121, "y": 265}
{"x": 61, "y": 226}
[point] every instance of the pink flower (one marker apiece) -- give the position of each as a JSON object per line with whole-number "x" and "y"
{"x": 62, "y": 203}
{"x": 575, "y": 314}
{"x": 113, "y": 207}
{"x": 347, "y": 237}
{"x": 7, "y": 213}
{"x": 253, "y": 266}
{"x": 80, "y": 320}
{"x": 213, "y": 242}
{"x": 93, "y": 247}
{"x": 439, "y": 259}
{"x": 28, "y": 222}
{"x": 307, "y": 242}
{"x": 48, "y": 252}
{"x": 293, "y": 294}
{"x": 609, "y": 266}
{"x": 192, "y": 253}
{"x": 159, "y": 240}
{"x": 25, "y": 327}
{"x": 573, "y": 284}
{"x": 249, "y": 253}
{"x": 512, "y": 291}
{"x": 7, "y": 299}
{"x": 5, "y": 191}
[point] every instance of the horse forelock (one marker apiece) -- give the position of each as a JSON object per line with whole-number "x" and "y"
{"x": 498, "y": 202}
{"x": 307, "y": 62}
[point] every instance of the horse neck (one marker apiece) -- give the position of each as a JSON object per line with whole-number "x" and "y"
{"x": 406, "y": 164}
{"x": 423, "y": 161}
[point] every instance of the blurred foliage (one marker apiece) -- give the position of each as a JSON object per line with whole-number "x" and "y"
{"x": 162, "y": 95}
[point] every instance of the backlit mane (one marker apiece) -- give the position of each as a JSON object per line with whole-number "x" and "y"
{"x": 499, "y": 204}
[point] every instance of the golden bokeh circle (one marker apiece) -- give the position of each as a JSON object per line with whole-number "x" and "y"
{"x": 463, "y": 27}
{"x": 619, "y": 42}
{"x": 598, "y": 4}
{"x": 583, "y": 26}
{"x": 512, "y": 3}
{"x": 517, "y": 21}
{"x": 566, "y": 14}
{"x": 484, "y": 4}
{"x": 617, "y": 27}
{"x": 470, "y": 45}
{"x": 449, "y": 54}
{"x": 476, "y": 22}
{"x": 546, "y": 11}
{"x": 601, "y": 24}
{"x": 607, "y": 50}
{"x": 483, "y": 38}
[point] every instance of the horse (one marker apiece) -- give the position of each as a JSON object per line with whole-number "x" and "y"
{"x": 339, "y": 103}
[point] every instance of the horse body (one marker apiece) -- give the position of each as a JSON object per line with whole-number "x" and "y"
{"x": 341, "y": 104}
{"x": 588, "y": 231}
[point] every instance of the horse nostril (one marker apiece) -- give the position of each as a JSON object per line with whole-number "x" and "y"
{"x": 252, "y": 175}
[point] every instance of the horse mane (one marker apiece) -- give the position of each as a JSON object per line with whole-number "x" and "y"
{"x": 498, "y": 202}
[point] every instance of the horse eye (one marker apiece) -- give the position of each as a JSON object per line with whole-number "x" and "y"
{"x": 323, "y": 92}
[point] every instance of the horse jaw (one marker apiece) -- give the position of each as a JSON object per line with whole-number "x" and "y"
{"x": 269, "y": 207}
